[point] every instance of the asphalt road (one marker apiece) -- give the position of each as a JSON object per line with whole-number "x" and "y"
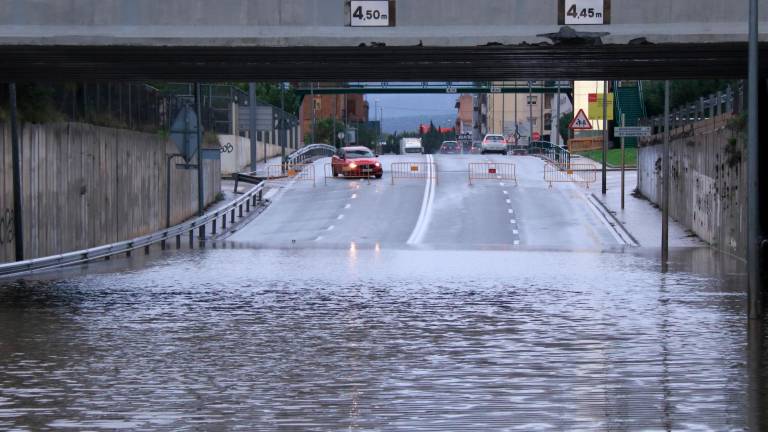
{"x": 442, "y": 211}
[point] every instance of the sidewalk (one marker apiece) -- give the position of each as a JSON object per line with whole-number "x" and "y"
{"x": 640, "y": 217}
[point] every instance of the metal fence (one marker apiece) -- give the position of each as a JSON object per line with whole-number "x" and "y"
{"x": 143, "y": 107}
{"x": 729, "y": 101}
{"x": 413, "y": 171}
{"x": 584, "y": 174}
{"x": 492, "y": 171}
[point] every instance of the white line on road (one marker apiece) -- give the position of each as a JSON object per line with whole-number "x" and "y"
{"x": 517, "y": 242}
{"x": 348, "y": 206}
{"x": 506, "y": 192}
{"x": 319, "y": 238}
{"x": 510, "y": 211}
{"x": 515, "y": 232}
{"x": 341, "y": 216}
{"x": 354, "y": 196}
{"x": 425, "y": 215}
{"x": 509, "y": 201}
{"x": 513, "y": 221}
{"x": 330, "y": 228}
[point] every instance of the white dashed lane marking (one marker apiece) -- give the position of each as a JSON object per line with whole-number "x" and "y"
{"x": 340, "y": 217}
{"x": 330, "y": 228}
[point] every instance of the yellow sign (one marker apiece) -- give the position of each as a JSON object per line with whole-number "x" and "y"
{"x": 596, "y": 106}
{"x": 291, "y": 173}
{"x": 414, "y": 167}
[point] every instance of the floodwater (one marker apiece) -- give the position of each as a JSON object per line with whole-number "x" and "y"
{"x": 362, "y": 338}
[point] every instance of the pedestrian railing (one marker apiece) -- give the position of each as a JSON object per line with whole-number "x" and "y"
{"x": 291, "y": 172}
{"x": 310, "y": 153}
{"x": 413, "y": 171}
{"x": 581, "y": 173}
{"x": 210, "y": 221}
{"x": 492, "y": 171}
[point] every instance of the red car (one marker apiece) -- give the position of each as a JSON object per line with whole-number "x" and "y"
{"x": 356, "y": 162}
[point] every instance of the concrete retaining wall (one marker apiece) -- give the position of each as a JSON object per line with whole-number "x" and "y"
{"x": 85, "y": 186}
{"x": 708, "y": 187}
{"x": 236, "y": 153}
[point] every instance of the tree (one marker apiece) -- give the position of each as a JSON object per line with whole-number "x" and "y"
{"x": 563, "y": 123}
{"x": 324, "y": 131}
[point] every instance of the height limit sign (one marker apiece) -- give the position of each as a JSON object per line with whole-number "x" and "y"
{"x": 584, "y": 12}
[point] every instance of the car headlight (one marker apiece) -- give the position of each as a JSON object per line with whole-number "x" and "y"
{"x": 353, "y": 165}
{"x": 378, "y": 165}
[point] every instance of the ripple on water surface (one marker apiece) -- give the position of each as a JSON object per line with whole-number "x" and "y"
{"x": 387, "y": 340}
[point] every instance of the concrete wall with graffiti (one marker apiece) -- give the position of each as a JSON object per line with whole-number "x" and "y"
{"x": 84, "y": 186}
{"x": 708, "y": 179}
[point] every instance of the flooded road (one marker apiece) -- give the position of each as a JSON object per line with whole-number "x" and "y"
{"x": 383, "y": 339}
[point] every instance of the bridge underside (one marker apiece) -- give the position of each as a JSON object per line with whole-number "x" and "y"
{"x": 366, "y": 63}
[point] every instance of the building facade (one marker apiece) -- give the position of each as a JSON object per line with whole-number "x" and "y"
{"x": 346, "y": 108}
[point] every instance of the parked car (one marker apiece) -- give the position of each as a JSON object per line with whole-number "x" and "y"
{"x": 356, "y": 162}
{"x": 411, "y": 145}
{"x": 494, "y": 143}
{"x": 450, "y": 147}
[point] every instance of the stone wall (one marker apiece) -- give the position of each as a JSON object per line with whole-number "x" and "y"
{"x": 708, "y": 180}
{"x": 84, "y": 186}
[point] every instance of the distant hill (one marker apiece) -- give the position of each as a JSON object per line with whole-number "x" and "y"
{"x": 411, "y": 123}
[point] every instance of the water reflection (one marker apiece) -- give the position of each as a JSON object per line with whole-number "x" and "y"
{"x": 366, "y": 338}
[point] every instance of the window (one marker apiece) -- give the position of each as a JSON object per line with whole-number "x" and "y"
{"x": 532, "y": 100}
{"x": 548, "y": 121}
{"x": 548, "y": 103}
{"x": 533, "y": 120}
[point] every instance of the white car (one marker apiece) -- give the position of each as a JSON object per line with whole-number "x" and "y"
{"x": 494, "y": 143}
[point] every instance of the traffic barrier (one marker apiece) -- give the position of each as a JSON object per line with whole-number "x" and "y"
{"x": 294, "y": 172}
{"x": 328, "y": 174}
{"x": 581, "y": 173}
{"x": 414, "y": 171}
{"x": 502, "y": 171}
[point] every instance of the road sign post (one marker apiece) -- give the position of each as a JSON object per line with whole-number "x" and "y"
{"x": 623, "y": 162}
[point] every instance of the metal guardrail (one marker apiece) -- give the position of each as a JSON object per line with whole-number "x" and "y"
{"x": 230, "y": 211}
{"x": 309, "y": 153}
{"x": 492, "y": 171}
{"x": 549, "y": 151}
{"x": 570, "y": 173}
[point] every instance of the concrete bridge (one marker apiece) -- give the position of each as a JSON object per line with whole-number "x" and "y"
{"x": 315, "y": 39}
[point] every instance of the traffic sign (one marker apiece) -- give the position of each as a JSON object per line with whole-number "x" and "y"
{"x": 536, "y": 136}
{"x": 632, "y": 131}
{"x": 580, "y": 122}
{"x": 371, "y": 13}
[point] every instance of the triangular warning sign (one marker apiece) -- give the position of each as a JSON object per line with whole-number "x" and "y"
{"x": 580, "y": 122}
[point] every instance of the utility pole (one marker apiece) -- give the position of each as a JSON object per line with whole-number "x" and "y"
{"x": 753, "y": 152}
{"x": 252, "y": 127}
{"x": 605, "y": 137}
{"x": 335, "y": 112}
{"x": 200, "y": 179}
{"x": 517, "y": 129}
{"x": 530, "y": 112}
{"x": 623, "y": 161}
{"x": 666, "y": 186}
{"x": 314, "y": 104}
{"x": 18, "y": 232}
{"x": 557, "y": 119}
{"x": 283, "y": 131}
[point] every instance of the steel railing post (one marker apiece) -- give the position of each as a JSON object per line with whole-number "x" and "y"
{"x": 753, "y": 153}
{"x": 666, "y": 185}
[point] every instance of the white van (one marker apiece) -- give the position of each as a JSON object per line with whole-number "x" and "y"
{"x": 411, "y": 145}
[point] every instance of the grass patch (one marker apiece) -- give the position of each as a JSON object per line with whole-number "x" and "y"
{"x": 614, "y": 156}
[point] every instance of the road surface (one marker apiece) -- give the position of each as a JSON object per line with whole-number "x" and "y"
{"x": 445, "y": 212}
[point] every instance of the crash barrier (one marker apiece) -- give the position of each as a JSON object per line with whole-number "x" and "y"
{"x": 492, "y": 171}
{"x": 291, "y": 172}
{"x": 413, "y": 171}
{"x": 580, "y": 173}
{"x": 360, "y": 175}
{"x": 197, "y": 229}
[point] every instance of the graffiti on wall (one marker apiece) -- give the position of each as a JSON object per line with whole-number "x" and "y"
{"x": 6, "y": 226}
